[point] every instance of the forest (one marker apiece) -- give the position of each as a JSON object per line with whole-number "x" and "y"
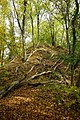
{"x": 40, "y": 59}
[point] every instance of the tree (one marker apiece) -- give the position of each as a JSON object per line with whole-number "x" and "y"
{"x": 22, "y": 24}
{"x": 74, "y": 39}
{"x": 51, "y": 26}
{"x": 38, "y": 19}
{"x": 30, "y": 11}
{"x": 12, "y": 43}
{"x": 3, "y": 32}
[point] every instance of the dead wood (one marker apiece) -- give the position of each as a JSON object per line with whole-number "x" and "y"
{"x": 31, "y": 55}
{"x": 37, "y": 75}
{"x": 55, "y": 64}
{"x": 58, "y": 64}
{"x": 36, "y": 50}
{"x": 24, "y": 80}
{"x": 31, "y": 69}
{"x": 8, "y": 88}
{"x": 13, "y": 60}
{"x": 40, "y": 83}
{"x": 14, "y": 84}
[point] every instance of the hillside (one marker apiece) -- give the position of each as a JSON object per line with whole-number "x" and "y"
{"x": 38, "y": 88}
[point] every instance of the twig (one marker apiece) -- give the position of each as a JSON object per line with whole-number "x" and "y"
{"x": 34, "y": 52}
{"x": 58, "y": 64}
{"x": 12, "y": 60}
{"x": 31, "y": 54}
{"x": 67, "y": 67}
{"x": 31, "y": 69}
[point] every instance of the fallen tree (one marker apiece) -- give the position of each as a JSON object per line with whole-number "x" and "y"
{"x": 14, "y": 84}
{"x": 27, "y": 81}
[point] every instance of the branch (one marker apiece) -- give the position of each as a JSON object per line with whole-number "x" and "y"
{"x": 34, "y": 52}
{"x": 14, "y": 84}
{"x": 31, "y": 55}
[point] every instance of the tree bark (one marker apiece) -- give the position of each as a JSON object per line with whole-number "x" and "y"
{"x": 66, "y": 19}
{"x": 74, "y": 41}
{"x": 22, "y": 28}
{"x": 2, "y": 57}
{"x": 38, "y": 21}
{"x": 32, "y": 28}
{"x": 51, "y": 26}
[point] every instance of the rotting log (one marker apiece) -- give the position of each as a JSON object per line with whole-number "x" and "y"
{"x": 14, "y": 84}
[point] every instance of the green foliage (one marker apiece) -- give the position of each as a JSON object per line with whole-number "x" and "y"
{"x": 48, "y": 21}
{"x": 4, "y": 73}
{"x": 68, "y": 58}
{"x": 55, "y": 76}
{"x": 78, "y": 46}
{"x": 73, "y": 93}
{"x": 73, "y": 90}
{"x": 45, "y": 33}
{"x": 64, "y": 96}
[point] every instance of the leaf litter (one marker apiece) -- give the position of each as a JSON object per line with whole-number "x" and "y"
{"x": 44, "y": 102}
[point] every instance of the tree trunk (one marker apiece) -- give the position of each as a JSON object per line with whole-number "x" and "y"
{"x": 72, "y": 74}
{"x": 2, "y": 57}
{"x": 51, "y": 25}
{"x": 32, "y": 28}
{"x": 22, "y": 28}
{"x": 78, "y": 81}
{"x": 38, "y": 32}
{"x": 74, "y": 41}
{"x": 52, "y": 32}
{"x": 67, "y": 34}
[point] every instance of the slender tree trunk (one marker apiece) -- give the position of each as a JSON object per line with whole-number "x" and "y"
{"x": 67, "y": 21}
{"x": 22, "y": 28}
{"x": 11, "y": 46}
{"x": 32, "y": 28}
{"x": 62, "y": 36}
{"x": 38, "y": 31}
{"x": 72, "y": 74}
{"x": 78, "y": 81}
{"x": 32, "y": 23}
{"x": 52, "y": 35}
{"x": 2, "y": 57}
{"x": 67, "y": 34}
{"x": 51, "y": 26}
{"x": 74, "y": 41}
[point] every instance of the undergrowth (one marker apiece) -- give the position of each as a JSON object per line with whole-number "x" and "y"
{"x": 68, "y": 97}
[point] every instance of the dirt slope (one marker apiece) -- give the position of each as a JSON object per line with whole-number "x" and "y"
{"x": 48, "y": 101}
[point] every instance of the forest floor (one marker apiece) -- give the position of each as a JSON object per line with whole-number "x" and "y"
{"x": 43, "y": 92}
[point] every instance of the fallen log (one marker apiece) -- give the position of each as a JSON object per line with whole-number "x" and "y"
{"x": 8, "y": 88}
{"x": 14, "y": 84}
{"x": 39, "y": 83}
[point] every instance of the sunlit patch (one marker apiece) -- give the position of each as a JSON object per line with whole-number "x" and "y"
{"x": 19, "y": 100}
{"x": 35, "y": 90}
